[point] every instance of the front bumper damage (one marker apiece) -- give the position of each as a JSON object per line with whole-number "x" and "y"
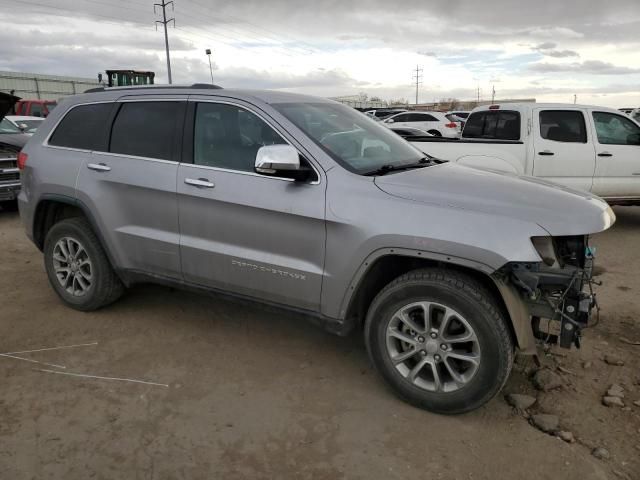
{"x": 557, "y": 292}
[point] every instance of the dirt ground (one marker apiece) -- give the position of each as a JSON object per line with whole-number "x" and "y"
{"x": 257, "y": 394}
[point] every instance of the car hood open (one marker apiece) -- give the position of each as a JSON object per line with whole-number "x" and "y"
{"x": 557, "y": 209}
{"x": 7, "y": 102}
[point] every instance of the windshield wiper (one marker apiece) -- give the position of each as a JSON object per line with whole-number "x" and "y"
{"x": 388, "y": 168}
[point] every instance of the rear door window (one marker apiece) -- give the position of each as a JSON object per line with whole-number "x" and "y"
{"x": 493, "y": 125}
{"x": 146, "y": 129}
{"x": 422, "y": 117}
{"x": 83, "y": 127}
{"x": 563, "y": 126}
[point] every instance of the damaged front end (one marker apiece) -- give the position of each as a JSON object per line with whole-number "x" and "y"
{"x": 557, "y": 292}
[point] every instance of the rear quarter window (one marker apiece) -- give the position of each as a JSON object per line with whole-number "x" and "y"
{"x": 493, "y": 125}
{"x": 83, "y": 127}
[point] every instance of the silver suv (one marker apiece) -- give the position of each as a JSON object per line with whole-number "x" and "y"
{"x": 306, "y": 204}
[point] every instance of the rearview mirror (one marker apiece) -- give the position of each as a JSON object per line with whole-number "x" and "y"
{"x": 272, "y": 159}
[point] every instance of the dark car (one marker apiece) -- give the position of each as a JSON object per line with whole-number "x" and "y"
{"x": 11, "y": 142}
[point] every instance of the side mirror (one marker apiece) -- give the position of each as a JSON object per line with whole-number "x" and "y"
{"x": 273, "y": 159}
{"x": 23, "y": 126}
{"x": 390, "y": 120}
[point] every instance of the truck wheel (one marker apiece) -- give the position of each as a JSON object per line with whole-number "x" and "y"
{"x": 78, "y": 268}
{"x": 435, "y": 133}
{"x": 439, "y": 340}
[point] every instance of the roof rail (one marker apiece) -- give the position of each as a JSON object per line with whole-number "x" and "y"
{"x": 199, "y": 86}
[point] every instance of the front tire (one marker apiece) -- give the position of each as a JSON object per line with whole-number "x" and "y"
{"x": 78, "y": 268}
{"x": 439, "y": 340}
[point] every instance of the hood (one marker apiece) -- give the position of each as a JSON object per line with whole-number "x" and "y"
{"x": 7, "y": 102}
{"x": 557, "y": 209}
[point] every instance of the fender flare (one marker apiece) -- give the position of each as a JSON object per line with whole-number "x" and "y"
{"x": 404, "y": 252}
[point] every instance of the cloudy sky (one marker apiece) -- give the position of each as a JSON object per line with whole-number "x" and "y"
{"x": 547, "y": 49}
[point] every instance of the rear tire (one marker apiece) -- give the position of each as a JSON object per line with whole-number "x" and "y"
{"x": 78, "y": 268}
{"x": 439, "y": 340}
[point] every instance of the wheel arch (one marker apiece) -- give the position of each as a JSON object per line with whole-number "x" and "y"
{"x": 51, "y": 209}
{"x": 382, "y": 267}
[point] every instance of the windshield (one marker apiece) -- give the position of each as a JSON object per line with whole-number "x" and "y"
{"x": 356, "y": 142}
{"x": 7, "y": 127}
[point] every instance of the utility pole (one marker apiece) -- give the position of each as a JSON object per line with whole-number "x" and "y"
{"x": 164, "y": 22}
{"x": 493, "y": 93}
{"x": 575, "y": 98}
{"x": 417, "y": 76}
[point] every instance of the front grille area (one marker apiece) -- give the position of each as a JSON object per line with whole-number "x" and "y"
{"x": 9, "y": 170}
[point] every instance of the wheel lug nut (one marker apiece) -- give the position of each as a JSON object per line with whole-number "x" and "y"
{"x": 421, "y": 339}
{"x": 423, "y": 353}
{"x": 437, "y": 357}
{"x": 443, "y": 346}
{"x": 433, "y": 334}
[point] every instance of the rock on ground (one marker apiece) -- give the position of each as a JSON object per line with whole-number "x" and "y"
{"x": 546, "y": 423}
{"x": 566, "y": 436}
{"x": 519, "y": 401}
{"x": 601, "y": 453}
{"x": 615, "y": 390}
{"x": 613, "y": 360}
{"x": 547, "y": 380}
{"x": 612, "y": 401}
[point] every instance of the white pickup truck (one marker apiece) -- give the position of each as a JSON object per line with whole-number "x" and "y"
{"x": 587, "y": 148}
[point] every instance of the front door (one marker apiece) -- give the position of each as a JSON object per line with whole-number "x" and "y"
{"x": 563, "y": 150}
{"x": 241, "y": 231}
{"x": 617, "y": 156}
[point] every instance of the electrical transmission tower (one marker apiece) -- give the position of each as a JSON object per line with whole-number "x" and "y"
{"x": 417, "y": 76}
{"x": 164, "y": 23}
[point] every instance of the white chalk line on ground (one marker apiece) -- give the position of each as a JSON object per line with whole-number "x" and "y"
{"x": 52, "y": 348}
{"x": 83, "y": 375}
{"x": 7, "y": 355}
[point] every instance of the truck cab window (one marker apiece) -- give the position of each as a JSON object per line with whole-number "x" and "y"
{"x": 493, "y": 125}
{"x": 613, "y": 129}
{"x": 563, "y": 126}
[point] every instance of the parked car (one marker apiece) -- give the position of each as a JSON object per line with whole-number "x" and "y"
{"x": 453, "y": 118}
{"x": 11, "y": 141}
{"x": 635, "y": 114}
{"x": 383, "y": 113}
{"x": 594, "y": 149}
{"x": 305, "y": 204}
{"x": 26, "y": 124}
{"x": 35, "y": 108}
{"x": 435, "y": 123}
{"x": 626, "y": 111}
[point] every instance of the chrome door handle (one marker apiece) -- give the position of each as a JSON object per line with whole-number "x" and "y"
{"x": 99, "y": 167}
{"x": 605, "y": 154}
{"x": 199, "y": 182}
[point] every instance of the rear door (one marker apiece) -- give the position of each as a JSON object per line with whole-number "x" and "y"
{"x": 617, "y": 156}
{"x": 424, "y": 121}
{"x": 131, "y": 184}
{"x": 563, "y": 150}
{"x": 241, "y": 231}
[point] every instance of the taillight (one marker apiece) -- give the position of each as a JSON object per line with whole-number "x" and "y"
{"x": 451, "y": 125}
{"x": 22, "y": 160}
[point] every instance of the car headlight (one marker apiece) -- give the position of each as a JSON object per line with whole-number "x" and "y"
{"x": 545, "y": 248}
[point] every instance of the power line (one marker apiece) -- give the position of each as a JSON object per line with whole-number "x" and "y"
{"x": 164, "y": 22}
{"x": 417, "y": 76}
